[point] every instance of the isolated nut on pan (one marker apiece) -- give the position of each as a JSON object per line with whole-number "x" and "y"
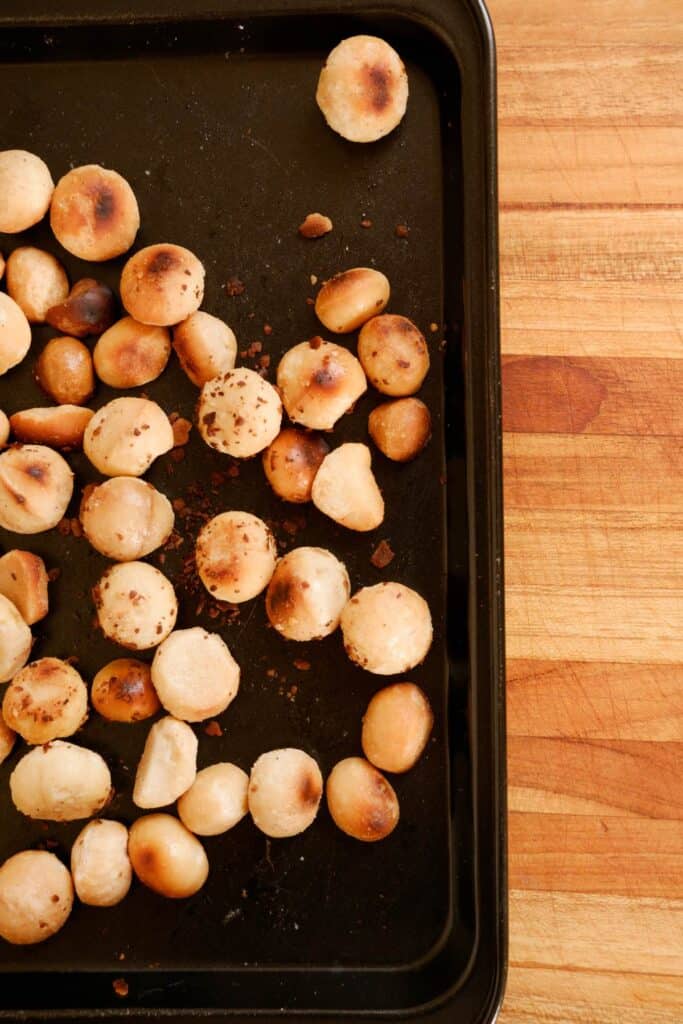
{"x": 319, "y": 381}
{"x": 126, "y": 435}
{"x": 36, "y": 280}
{"x": 206, "y": 347}
{"x": 400, "y": 429}
{"x": 122, "y": 691}
{"x": 216, "y": 800}
{"x": 396, "y": 727}
{"x": 291, "y": 461}
{"x": 162, "y": 284}
{"x": 26, "y": 189}
{"x": 387, "y": 628}
{"x": 89, "y": 308}
{"x": 46, "y": 700}
{"x": 394, "y": 354}
{"x": 64, "y": 371}
{"x": 15, "y": 333}
{"x": 130, "y": 354}
{"x": 15, "y": 640}
{"x": 60, "y": 782}
{"x": 235, "y": 556}
{"x": 36, "y": 897}
{"x": 7, "y": 740}
{"x": 4, "y": 428}
{"x": 350, "y": 298}
{"x": 239, "y": 413}
{"x": 100, "y": 866}
{"x": 361, "y": 801}
{"x": 59, "y": 426}
{"x": 285, "y": 787}
{"x": 168, "y": 765}
{"x": 126, "y": 518}
{"x": 194, "y": 674}
{"x": 345, "y": 488}
{"x": 307, "y": 594}
{"x": 23, "y": 579}
{"x": 136, "y": 605}
{"x": 35, "y": 488}
{"x": 166, "y": 856}
{"x": 94, "y": 213}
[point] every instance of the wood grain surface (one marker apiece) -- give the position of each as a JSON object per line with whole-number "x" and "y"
{"x": 591, "y": 198}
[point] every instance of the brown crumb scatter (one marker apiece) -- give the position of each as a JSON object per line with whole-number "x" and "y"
{"x": 267, "y": 330}
{"x": 315, "y": 226}
{"x": 402, "y": 230}
{"x": 383, "y": 555}
{"x": 181, "y": 431}
{"x": 120, "y": 986}
{"x": 234, "y": 286}
{"x": 366, "y": 222}
{"x": 213, "y": 729}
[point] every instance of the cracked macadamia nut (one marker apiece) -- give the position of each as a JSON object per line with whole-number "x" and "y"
{"x": 7, "y": 740}
{"x": 126, "y": 518}
{"x": 130, "y": 354}
{"x": 26, "y": 189}
{"x": 239, "y": 413}
{"x": 15, "y": 640}
{"x": 100, "y": 866}
{"x": 162, "y": 284}
{"x": 216, "y": 800}
{"x": 15, "y": 333}
{"x": 205, "y": 346}
{"x": 195, "y": 675}
{"x": 396, "y": 727}
{"x": 361, "y": 801}
{"x": 319, "y": 381}
{"x": 59, "y": 426}
{"x": 291, "y": 462}
{"x": 168, "y": 765}
{"x": 345, "y": 488}
{"x": 4, "y": 428}
{"x": 394, "y": 354}
{"x": 307, "y": 594}
{"x": 36, "y": 281}
{"x": 126, "y": 435}
{"x": 166, "y": 856}
{"x": 285, "y": 787}
{"x": 89, "y": 308}
{"x": 136, "y": 605}
{"x": 122, "y": 691}
{"x": 35, "y": 488}
{"x": 363, "y": 89}
{"x": 387, "y": 628}
{"x": 46, "y": 700}
{"x": 94, "y": 213}
{"x": 350, "y": 298}
{"x": 400, "y": 429}
{"x": 64, "y": 371}
{"x": 23, "y": 579}
{"x": 36, "y": 897}
{"x": 60, "y": 782}
{"x": 235, "y": 556}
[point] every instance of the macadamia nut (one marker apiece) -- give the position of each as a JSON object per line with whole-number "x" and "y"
{"x": 396, "y": 727}
{"x": 350, "y": 298}
{"x": 136, "y": 605}
{"x": 36, "y": 281}
{"x": 60, "y": 782}
{"x": 7, "y": 740}
{"x": 307, "y": 594}
{"x": 89, "y": 308}
{"x": 345, "y": 488}
{"x": 130, "y": 354}
{"x": 194, "y": 674}
{"x": 239, "y": 413}
{"x": 59, "y": 426}
{"x": 46, "y": 700}
{"x": 168, "y": 765}
{"x": 126, "y": 518}
{"x": 64, "y": 371}
{"x": 126, "y": 435}
{"x": 361, "y": 801}
{"x": 23, "y": 579}
{"x": 205, "y": 346}
{"x": 291, "y": 462}
{"x": 236, "y": 556}
{"x": 166, "y": 857}
{"x": 94, "y": 213}
{"x": 36, "y": 897}
{"x": 285, "y": 787}
{"x": 394, "y": 354}
{"x": 26, "y": 189}
{"x": 387, "y": 628}
{"x": 35, "y": 488}
{"x": 15, "y": 640}
{"x": 15, "y": 333}
{"x": 216, "y": 800}
{"x": 400, "y": 429}
{"x": 162, "y": 284}
{"x": 4, "y": 428}
{"x": 319, "y": 382}
{"x": 100, "y": 865}
{"x": 122, "y": 691}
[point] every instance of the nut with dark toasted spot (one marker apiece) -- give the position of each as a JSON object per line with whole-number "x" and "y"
{"x": 206, "y": 347}
{"x": 361, "y": 801}
{"x": 307, "y": 593}
{"x": 166, "y": 857}
{"x": 400, "y": 429}
{"x": 24, "y": 579}
{"x": 235, "y": 555}
{"x": 319, "y": 382}
{"x": 36, "y": 280}
{"x": 131, "y": 354}
{"x": 36, "y": 485}
{"x": 64, "y": 371}
{"x": 291, "y": 462}
{"x": 94, "y": 213}
{"x": 285, "y": 788}
{"x": 59, "y": 426}
{"x": 46, "y": 700}
{"x": 349, "y": 299}
{"x": 89, "y": 308}
{"x": 315, "y": 225}
{"x": 122, "y": 691}
{"x": 162, "y": 284}
{"x": 394, "y": 354}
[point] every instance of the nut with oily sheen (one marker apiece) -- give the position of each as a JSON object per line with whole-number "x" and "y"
{"x": 126, "y": 518}
{"x": 26, "y": 189}
{"x": 315, "y": 225}
{"x": 285, "y": 787}
{"x": 94, "y": 213}
{"x": 36, "y": 280}
{"x": 394, "y": 354}
{"x": 291, "y": 461}
{"x": 64, "y": 371}
{"x": 162, "y": 284}
{"x": 216, "y": 800}
{"x": 60, "y": 782}
{"x": 35, "y": 488}
{"x": 319, "y": 381}
{"x": 15, "y": 333}
{"x": 4, "y": 428}
{"x": 349, "y": 299}
{"x": 89, "y": 308}
{"x": 361, "y": 801}
{"x": 23, "y": 579}
{"x": 387, "y": 628}
{"x": 239, "y": 413}
{"x": 7, "y": 740}
{"x": 206, "y": 347}
{"x": 126, "y": 435}
{"x": 122, "y": 691}
{"x": 194, "y": 674}
{"x": 235, "y": 556}
{"x": 396, "y": 727}
{"x": 307, "y": 593}
{"x": 400, "y": 429}
{"x": 168, "y": 765}
{"x": 59, "y": 426}
{"x": 100, "y": 866}
{"x": 36, "y": 897}
{"x": 15, "y": 640}
{"x": 136, "y": 605}
{"x": 166, "y": 856}
{"x": 345, "y": 488}
{"x": 130, "y": 354}
{"x": 46, "y": 700}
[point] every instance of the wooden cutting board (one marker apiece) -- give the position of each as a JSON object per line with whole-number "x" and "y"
{"x": 591, "y": 217}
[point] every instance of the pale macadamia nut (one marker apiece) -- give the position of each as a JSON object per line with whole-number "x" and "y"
{"x": 59, "y": 426}
{"x": 126, "y": 518}
{"x": 60, "y": 782}
{"x": 23, "y": 579}
{"x": 396, "y": 727}
{"x": 361, "y": 801}
{"x": 319, "y": 381}
{"x": 363, "y": 89}
{"x": 239, "y": 413}
{"x": 65, "y": 372}
{"x": 36, "y": 281}
{"x": 35, "y": 488}
{"x": 94, "y": 213}
{"x": 345, "y": 488}
{"x": 126, "y": 435}
{"x": 122, "y": 691}
{"x": 7, "y": 740}
{"x": 307, "y": 594}
{"x": 36, "y": 897}
{"x": 26, "y": 188}
{"x": 136, "y": 605}
{"x": 394, "y": 354}
{"x": 15, "y": 333}
{"x": 387, "y": 628}
{"x": 168, "y": 765}
{"x": 15, "y": 640}
{"x": 291, "y": 462}
{"x": 166, "y": 856}
{"x": 130, "y": 354}
{"x": 194, "y": 674}
{"x": 89, "y": 308}
{"x": 285, "y": 787}
{"x": 205, "y": 346}
{"x": 46, "y": 700}
{"x": 400, "y": 429}
{"x": 4, "y": 428}
{"x": 350, "y": 298}
{"x": 162, "y": 284}
{"x": 216, "y": 800}
{"x": 236, "y": 556}
{"x": 100, "y": 866}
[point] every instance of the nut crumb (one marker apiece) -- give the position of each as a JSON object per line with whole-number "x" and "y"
{"x": 402, "y": 230}
{"x": 366, "y": 222}
{"x": 120, "y": 986}
{"x": 383, "y": 555}
{"x": 181, "y": 431}
{"x": 234, "y": 286}
{"x": 314, "y": 279}
{"x": 267, "y": 330}
{"x": 433, "y": 328}
{"x": 213, "y": 729}
{"x": 301, "y": 665}
{"x": 315, "y": 226}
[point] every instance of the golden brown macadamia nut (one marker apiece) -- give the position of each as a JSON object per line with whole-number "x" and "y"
{"x": 35, "y": 488}
{"x": 396, "y": 727}
{"x": 394, "y": 354}
{"x": 162, "y": 284}
{"x": 36, "y": 897}
{"x": 89, "y": 308}
{"x": 26, "y": 189}
{"x": 194, "y": 674}
{"x": 307, "y": 593}
{"x": 235, "y": 556}
{"x": 216, "y": 800}
{"x": 36, "y": 281}
{"x": 126, "y": 435}
{"x": 60, "y": 782}
{"x": 205, "y": 346}
{"x": 59, "y": 426}
{"x": 361, "y": 801}
{"x": 64, "y": 371}
{"x": 7, "y": 740}
{"x": 285, "y": 787}
{"x": 130, "y": 354}
{"x": 363, "y": 89}
{"x": 46, "y": 700}
{"x": 345, "y": 488}
{"x": 350, "y": 298}
{"x": 315, "y": 225}
{"x": 239, "y": 413}
{"x": 2, "y": 266}
{"x": 15, "y": 640}
{"x": 94, "y": 213}
{"x": 23, "y": 579}
{"x": 319, "y": 382}
{"x": 400, "y": 429}
{"x": 166, "y": 857}
{"x": 136, "y": 605}
{"x": 15, "y": 333}
{"x": 291, "y": 462}
{"x": 122, "y": 691}
{"x": 100, "y": 866}
{"x": 4, "y": 428}
{"x": 387, "y": 628}
{"x": 126, "y": 518}
{"x": 168, "y": 765}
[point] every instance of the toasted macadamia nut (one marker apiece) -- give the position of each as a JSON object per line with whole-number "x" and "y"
{"x": 130, "y": 354}
{"x": 361, "y": 801}
{"x": 23, "y": 579}
{"x": 291, "y": 462}
{"x": 205, "y": 346}
{"x": 285, "y": 787}
{"x": 126, "y": 435}
{"x": 239, "y": 413}
{"x": 2, "y": 266}
{"x": 100, "y": 866}
{"x": 216, "y": 800}
{"x": 36, "y": 281}
{"x": 94, "y": 213}
{"x": 126, "y": 518}
{"x": 15, "y": 640}
{"x": 136, "y": 605}
{"x": 46, "y": 700}
{"x": 162, "y": 284}
{"x": 345, "y": 488}
{"x": 166, "y": 856}
{"x": 315, "y": 225}
{"x": 387, "y": 628}
{"x": 168, "y": 765}
{"x": 61, "y": 426}
{"x": 89, "y": 308}
{"x": 236, "y": 556}
{"x": 122, "y": 691}
{"x": 394, "y": 354}
{"x": 26, "y": 188}
{"x": 15, "y": 333}
{"x": 400, "y": 429}
{"x": 64, "y": 371}
{"x": 7, "y": 740}
{"x": 363, "y": 89}
{"x": 350, "y": 298}
{"x": 36, "y": 897}
{"x": 307, "y": 593}
{"x": 319, "y": 382}
{"x": 194, "y": 674}
{"x": 35, "y": 488}
{"x": 60, "y": 782}
{"x": 396, "y": 727}
{"x": 4, "y": 428}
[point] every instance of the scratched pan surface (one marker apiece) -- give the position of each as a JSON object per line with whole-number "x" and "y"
{"x": 211, "y": 119}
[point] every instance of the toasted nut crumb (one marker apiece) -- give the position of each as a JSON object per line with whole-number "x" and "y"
{"x": 213, "y": 729}
{"x": 181, "y": 431}
{"x": 234, "y": 286}
{"x": 366, "y": 222}
{"x": 315, "y": 226}
{"x": 314, "y": 279}
{"x": 120, "y": 986}
{"x": 433, "y": 328}
{"x": 383, "y": 555}
{"x": 402, "y": 230}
